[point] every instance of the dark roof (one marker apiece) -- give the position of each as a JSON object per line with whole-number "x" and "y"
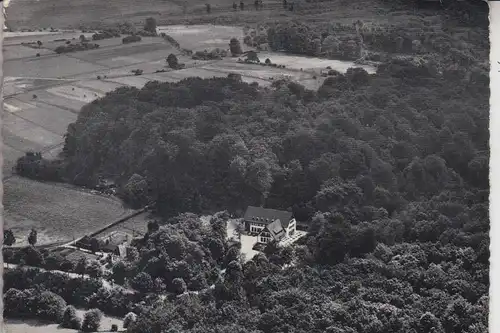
{"x": 109, "y": 247}
{"x": 266, "y": 215}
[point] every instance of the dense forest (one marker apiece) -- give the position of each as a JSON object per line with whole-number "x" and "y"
{"x": 390, "y": 170}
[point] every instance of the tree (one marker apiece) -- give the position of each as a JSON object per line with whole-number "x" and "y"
{"x": 32, "y": 238}
{"x": 92, "y": 320}
{"x": 94, "y": 269}
{"x": 131, "y": 254}
{"x": 134, "y": 192}
{"x": 70, "y": 319}
{"x": 153, "y": 226}
{"x": 94, "y": 245}
{"x": 208, "y": 7}
{"x": 252, "y": 56}
{"x": 179, "y": 286}
{"x": 130, "y": 318}
{"x": 120, "y": 272}
{"x": 81, "y": 266}
{"x": 235, "y": 47}
{"x": 143, "y": 282}
{"x": 8, "y": 237}
{"x": 172, "y": 61}
{"x": 34, "y": 257}
{"x": 150, "y": 25}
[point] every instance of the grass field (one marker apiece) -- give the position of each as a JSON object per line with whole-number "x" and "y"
{"x": 59, "y": 212}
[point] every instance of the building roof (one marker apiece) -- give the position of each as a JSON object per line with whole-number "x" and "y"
{"x": 276, "y": 230}
{"x": 267, "y": 215}
{"x": 116, "y": 238}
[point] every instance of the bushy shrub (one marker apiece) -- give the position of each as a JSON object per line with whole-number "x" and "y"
{"x": 131, "y": 39}
{"x": 235, "y": 47}
{"x": 75, "y": 47}
{"x": 32, "y": 303}
{"x": 92, "y": 320}
{"x": 150, "y": 25}
{"x": 71, "y": 319}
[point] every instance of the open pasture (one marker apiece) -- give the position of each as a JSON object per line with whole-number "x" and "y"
{"x": 136, "y": 226}
{"x": 310, "y": 63}
{"x": 201, "y": 37}
{"x": 58, "y": 211}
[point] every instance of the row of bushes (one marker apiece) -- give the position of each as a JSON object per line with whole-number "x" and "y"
{"x": 131, "y": 39}
{"x": 33, "y": 166}
{"x": 215, "y": 54}
{"x": 81, "y": 292}
{"x": 46, "y": 305}
{"x": 170, "y": 40}
{"x": 106, "y": 34}
{"x": 76, "y": 47}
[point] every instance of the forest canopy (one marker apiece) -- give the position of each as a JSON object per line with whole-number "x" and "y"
{"x": 362, "y": 141}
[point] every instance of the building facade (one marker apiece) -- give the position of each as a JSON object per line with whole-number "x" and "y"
{"x": 269, "y": 224}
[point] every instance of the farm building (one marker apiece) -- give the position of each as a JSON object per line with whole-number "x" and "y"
{"x": 269, "y": 224}
{"x": 115, "y": 242}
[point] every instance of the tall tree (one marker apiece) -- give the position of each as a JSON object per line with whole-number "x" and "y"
{"x": 32, "y": 238}
{"x": 8, "y": 237}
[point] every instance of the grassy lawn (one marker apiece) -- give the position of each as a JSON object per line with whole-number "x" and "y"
{"x": 59, "y": 212}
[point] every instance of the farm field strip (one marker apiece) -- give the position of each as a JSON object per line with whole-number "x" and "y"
{"x": 52, "y": 119}
{"x": 22, "y": 52}
{"x": 98, "y": 85}
{"x": 63, "y": 65}
{"x": 74, "y": 92}
{"x": 46, "y": 98}
{"x": 99, "y": 54}
{"x": 28, "y": 132}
